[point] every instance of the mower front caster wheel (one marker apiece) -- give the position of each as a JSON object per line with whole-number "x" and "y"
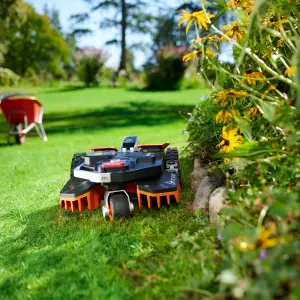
{"x": 118, "y": 206}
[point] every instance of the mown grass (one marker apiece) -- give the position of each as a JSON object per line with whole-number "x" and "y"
{"x": 46, "y": 252}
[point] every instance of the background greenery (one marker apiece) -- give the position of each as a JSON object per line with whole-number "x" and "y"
{"x": 47, "y": 252}
{"x": 250, "y": 122}
{"x": 35, "y": 50}
{"x": 251, "y": 106}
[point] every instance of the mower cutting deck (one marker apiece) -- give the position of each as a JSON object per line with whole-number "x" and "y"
{"x": 116, "y": 178}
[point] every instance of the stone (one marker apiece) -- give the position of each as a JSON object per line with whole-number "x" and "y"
{"x": 216, "y": 203}
{"x": 209, "y": 183}
{"x": 199, "y": 172}
{"x": 204, "y": 189}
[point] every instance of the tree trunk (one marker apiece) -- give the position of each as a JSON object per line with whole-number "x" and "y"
{"x": 123, "y": 42}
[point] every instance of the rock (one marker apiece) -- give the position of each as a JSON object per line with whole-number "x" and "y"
{"x": 199, "y": 172}
{"x": 209, "y": 183}
{"x": 216, "y": 203}
{"x": 202, "y": 194}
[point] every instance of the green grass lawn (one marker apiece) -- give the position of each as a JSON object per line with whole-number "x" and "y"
{"x": 46, "y": 252}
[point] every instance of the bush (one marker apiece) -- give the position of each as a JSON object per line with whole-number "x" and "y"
{"x": 192, "y": 81}
{"x": 169, "y": 72}
{"x": 203, "y": 130}
{"x": 8, "y": 77}
{"x": 90, "y": 62}
{"x": 250, "y": 122}
{"x": 106, "y": 76}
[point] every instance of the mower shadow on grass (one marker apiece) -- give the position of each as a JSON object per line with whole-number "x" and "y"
{"x": 130, "y": 114}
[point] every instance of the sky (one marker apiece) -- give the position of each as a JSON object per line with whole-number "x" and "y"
{"x": 99, "y": 36}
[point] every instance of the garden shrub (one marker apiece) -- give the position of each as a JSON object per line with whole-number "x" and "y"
{"x": 106, "y": 76}
{"x": 192, "y": 82}
{"x": 90, "y": 62}
{"x": 123, "y": 78}
{"x": 250, "y": 121}
{"x": 169, "y": 72}
{"x": 203, "y": 131}
{"x": 8, "y": 77}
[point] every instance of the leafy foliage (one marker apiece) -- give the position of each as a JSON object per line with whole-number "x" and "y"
{"x": 169, "y": 71}
{"x": 129, "y": 16}
{"x": 28, "y": 42}
{"x": 8, "y": 77}
{"x": 90, "y": 62}
{"x": 258, "y": 96}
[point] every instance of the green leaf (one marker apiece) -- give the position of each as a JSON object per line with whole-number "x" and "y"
{"x": 222, "y": 3}
{"x": 221, "y": 78}
{"x": 268, "y": 109}
{"x": 298, "y": 76}
{"x": 245, "y": 126}
{"x": 239, "y": 164}
{"x": 253, "y": 150}
{"x": 241, "y": 16}
{"x": 292, "y": 139}
{"x": 258, "y": 4}
{"x": 279, "y": 209}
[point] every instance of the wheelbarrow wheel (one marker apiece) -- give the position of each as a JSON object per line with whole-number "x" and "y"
{"x": 20, "y": 137}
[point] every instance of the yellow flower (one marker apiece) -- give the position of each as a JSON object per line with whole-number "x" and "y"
{"x": 280, "y": 43}
{"x": 224, "y": 116}
{"x": 246, "y": 4}
{"x": 277, "y": 23}
{"x": 269, "y": 52}
{"x": 264, "y": 239}
{"x": 193, "y": 54}
{"x": 228, "y": 95}
{"x": 231, "y": 139}
{"x": 290, "y": 71}
{"x": 233, "y": 31}
{"x": 198, "y": 17}
{"x": 211, "y": 39}
{"x": 253, "y": 77}
{"x": 267, "y": 91}
{"x": 243, "y": 243}
{"x": 208, "y": 51}
{"x": 253, "y": 112}
{"x": 227, "y": 160}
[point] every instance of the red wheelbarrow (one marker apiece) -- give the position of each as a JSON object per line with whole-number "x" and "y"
{"x": 22, "y": 113}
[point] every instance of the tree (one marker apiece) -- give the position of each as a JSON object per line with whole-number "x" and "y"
{"x": 167, "y": 31}
{"x": 35, "y": 46}
{"x": 10, "y": 15}
{"x": 129, "y": 15}
{"x": 54, "y": 18}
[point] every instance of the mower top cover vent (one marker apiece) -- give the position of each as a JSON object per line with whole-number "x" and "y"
{"x": 94, "y": 157}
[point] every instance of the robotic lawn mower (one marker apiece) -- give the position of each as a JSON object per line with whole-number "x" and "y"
{"x": 115, "y": 179}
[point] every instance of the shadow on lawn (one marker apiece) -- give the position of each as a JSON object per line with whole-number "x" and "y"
{"x": 146, "y": 113}
{"x": 128, "y": 114}
{"x": 67, "y": 88}
{"x": 57, "y": 252}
